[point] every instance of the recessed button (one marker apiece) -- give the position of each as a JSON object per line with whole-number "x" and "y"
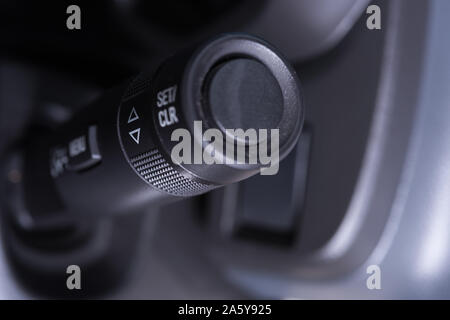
{"x": 244, "y": 94}
{"x": 83, "y": 151}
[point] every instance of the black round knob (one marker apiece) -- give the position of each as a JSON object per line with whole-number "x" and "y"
{"x": 234, "y": 81}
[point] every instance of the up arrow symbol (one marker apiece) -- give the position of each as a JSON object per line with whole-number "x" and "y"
{"x": 133, "y": 116}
